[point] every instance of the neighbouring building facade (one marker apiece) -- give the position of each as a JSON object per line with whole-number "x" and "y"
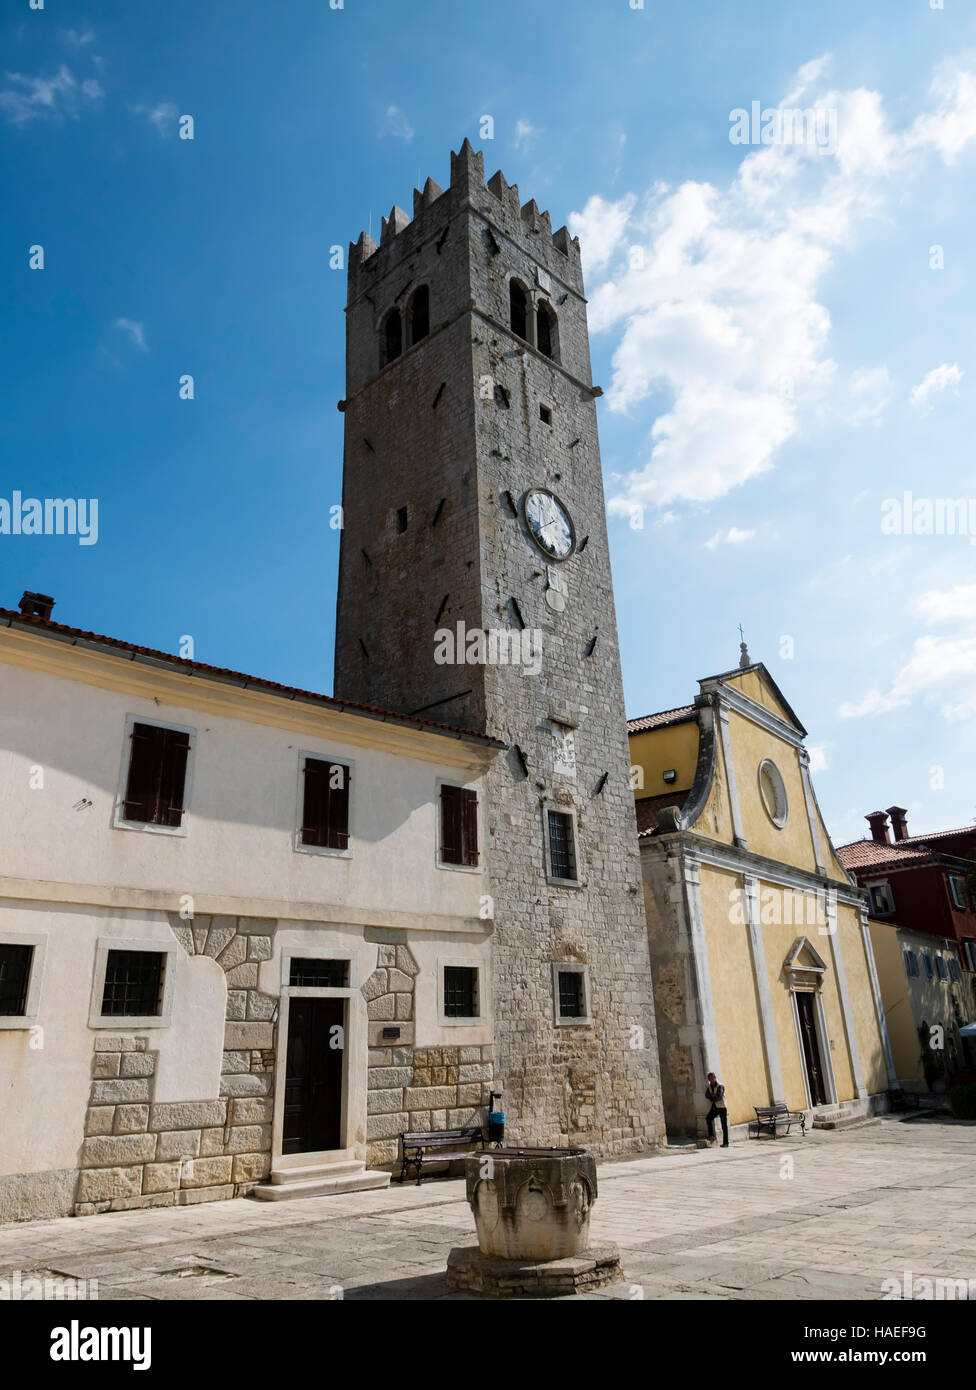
{"x": 473, "y": 512}
{"x": 763, "y": 970}
{"x": 922, "y": 906}
{"x": 243, "y": 930}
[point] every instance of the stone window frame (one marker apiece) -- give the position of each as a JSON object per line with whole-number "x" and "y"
{"x": 125, "y": 1023}
{"x": 119, "y": 821}
{"x": 323, "y": 850}
{"x": 479, "y": 1020}
{"x": 889, "y": 898}
{"x": 34, "y": 979}
{"x": 957, "y": 892}
{"x": 575, "y": 968}
{"x": 570, "y": 811}
{"x": 781, "y": 814}
{"x": 823, "y": 1042}
{"x": 439, "y": 863}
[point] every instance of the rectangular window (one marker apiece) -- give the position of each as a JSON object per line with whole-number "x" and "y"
{"x": 133, "y": 984}
{"x": 325, "y": 809}
{"x": 545, "y": 414}
{"x": 911, "y": 965}
{"x": 459, "y": 826}
{"x": 882, "y": 899}
{"x": 562, "y": 846}
{"x": 941, "y": 968}
{"x": 571, "y": 1000}
{"x": 460, "y": 991}
{"x": 15, "y": 969}
{"x": 318, "y": 974}
{"x": 156, "y": 782}
{"x": 955, "y": 974}
{"x": 929, "y": 968}
{"x": 957, "y": 888}
{"x": 969, "y": 951}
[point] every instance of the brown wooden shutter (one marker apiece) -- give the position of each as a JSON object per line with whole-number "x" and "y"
{"x": 175, "y": 751}
{"x": 145, "y": 756}
{"x": 337, "y": 822}
{"x": 314, "y": 802}
{"x": 469, "y": 826}
{"x": 451, "y": 828}
{"x": 325, "y": 811}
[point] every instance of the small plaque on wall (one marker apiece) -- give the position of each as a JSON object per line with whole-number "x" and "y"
{"x": 390, "y": 1033}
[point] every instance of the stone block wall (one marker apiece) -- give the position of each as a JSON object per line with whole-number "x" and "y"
{"x": 408, "y": 1087}
{"x": 138, "y": 1152}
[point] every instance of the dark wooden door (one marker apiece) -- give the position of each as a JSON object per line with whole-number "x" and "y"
{"x": 816, "y": 1081}
{"x": 313, "y": 1075}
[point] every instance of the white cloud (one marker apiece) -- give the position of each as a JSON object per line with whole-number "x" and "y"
{"x": 163, "y": 116}
{"x": 721, "y": 313}
{"x": 524, "y": 134}
{"x": 733, "y": 536}
{"x": 938, "y": 379}
{"x": 871, "y": 391}
{"x": 600, "y": 228}
{"x": 78, "y": 38}
{"x": 873, "y": 703}
{"x": 134, "y": 330}
{"x": 818, "y": 758}
{"x": 940, "y": 668}
{"x": 946, "y": 605}
{"x": 396, "y": 124}
{"x": 57, "y": 97}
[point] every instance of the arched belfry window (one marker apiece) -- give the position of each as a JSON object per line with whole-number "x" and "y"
{"x": 519, "y": 302}
{"x": 546, "y": 330}
{"x": 392, "y": 336}
{"x": 418, "y": 315}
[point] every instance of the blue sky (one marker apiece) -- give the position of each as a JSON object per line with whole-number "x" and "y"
{"x": 779, "y": 354}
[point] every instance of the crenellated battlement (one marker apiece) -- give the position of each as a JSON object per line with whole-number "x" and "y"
{"x": 401, "y": 234}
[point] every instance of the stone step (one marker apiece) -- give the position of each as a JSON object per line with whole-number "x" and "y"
{"x": 838, "y": 1120}
{"x": 316, "y": 1170}
{"x": 322, "y": 1182}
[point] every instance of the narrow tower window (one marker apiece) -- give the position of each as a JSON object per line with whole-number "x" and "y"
{"x": 546, "y": 331}
{"x": 418, "y": 316}
{"x": 519, "y": 302}
{"x": 392, "y": 336}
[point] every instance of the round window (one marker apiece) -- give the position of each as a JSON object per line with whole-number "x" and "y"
{"x": 773, "y": 793}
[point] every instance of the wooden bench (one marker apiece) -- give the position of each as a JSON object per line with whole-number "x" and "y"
{"x": 770, "y": 1117}
{"x": 437, "y": 1146}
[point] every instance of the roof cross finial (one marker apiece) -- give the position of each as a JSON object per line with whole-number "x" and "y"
{"x": 744, "y": 659}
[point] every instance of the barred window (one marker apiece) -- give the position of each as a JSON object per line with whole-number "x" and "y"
{"x": 460, "y": 991}
{"x": 562, "y": 846}
{"x": 318, "y": 973}
{"x": 133, "y": 983}
{"x": 572, "y": 996}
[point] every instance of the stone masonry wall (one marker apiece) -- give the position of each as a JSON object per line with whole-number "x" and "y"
{"x": 414, "y": 1088}
{"x": 138, "y": 1152}
{"x": 494, "y": 412}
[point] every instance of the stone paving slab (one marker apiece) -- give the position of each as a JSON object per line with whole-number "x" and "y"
{"x": 846, "y": 1210}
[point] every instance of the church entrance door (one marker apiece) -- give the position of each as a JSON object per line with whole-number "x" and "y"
{"x": 816, "y": 1084}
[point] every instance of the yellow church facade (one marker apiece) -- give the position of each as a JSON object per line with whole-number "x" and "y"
{"x": 761, "y": 955}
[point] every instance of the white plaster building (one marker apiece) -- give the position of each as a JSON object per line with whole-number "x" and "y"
{"x": 181, "y": 916}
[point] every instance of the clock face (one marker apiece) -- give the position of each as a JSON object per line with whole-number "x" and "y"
{"x": 549, "y": 523}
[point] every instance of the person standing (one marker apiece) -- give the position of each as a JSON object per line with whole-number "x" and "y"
{"x": 715, "y": 1095}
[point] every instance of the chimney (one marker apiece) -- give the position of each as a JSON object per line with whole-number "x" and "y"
{"x": 899, "y": 824}
{"x": 35, "y": 605}
{"x": 878, "y": 821}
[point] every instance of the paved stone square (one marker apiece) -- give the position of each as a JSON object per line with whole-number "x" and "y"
{"x": 829, "y": 1216}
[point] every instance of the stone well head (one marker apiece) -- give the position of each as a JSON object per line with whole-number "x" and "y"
{"x": 531, "y": 1204}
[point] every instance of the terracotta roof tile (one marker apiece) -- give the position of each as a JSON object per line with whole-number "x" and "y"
{"x": 681, "y": 715}
{"x": 13, "y": 618}
{"x": 864, "y": 854}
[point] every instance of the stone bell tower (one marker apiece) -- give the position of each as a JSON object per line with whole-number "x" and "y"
{"x": 473, "y": 495}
